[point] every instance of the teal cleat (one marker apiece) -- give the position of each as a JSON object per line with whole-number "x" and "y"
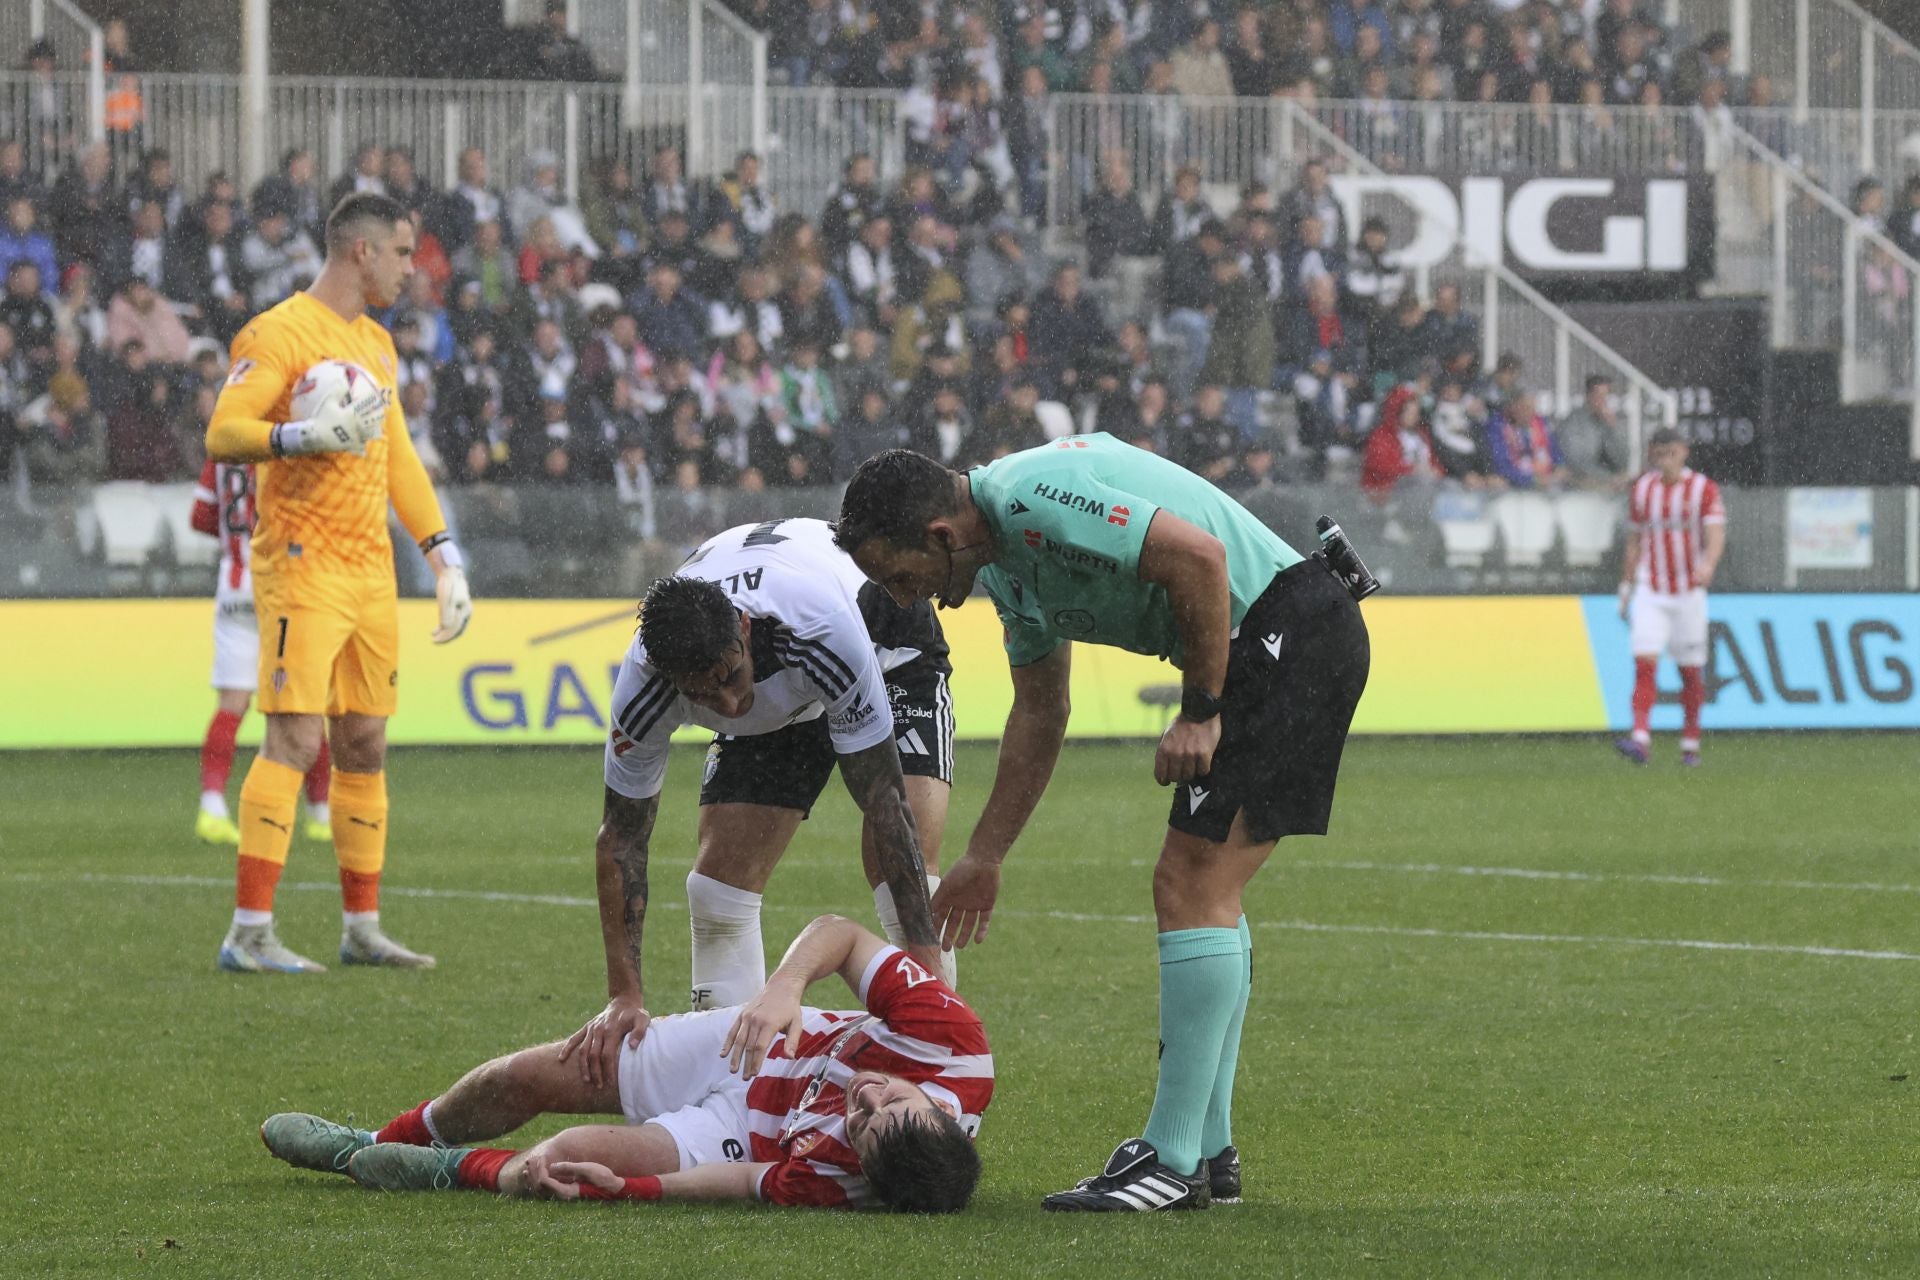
{"x": 311, "y": 1142}
{"x": 396, "y": 1166}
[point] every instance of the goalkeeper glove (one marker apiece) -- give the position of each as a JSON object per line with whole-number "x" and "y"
{"x": 450, "y": 588}
{"x": 336, "y": 428}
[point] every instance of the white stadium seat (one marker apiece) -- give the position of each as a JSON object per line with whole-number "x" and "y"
{"x": 1467, "y": 539}
{"x": 131, "y": 524}
{"x": 1587, "y": 524}
{"x": 1526, "y": 526}
{"x": 190, "y": 547}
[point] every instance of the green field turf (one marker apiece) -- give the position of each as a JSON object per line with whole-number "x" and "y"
{"x": 1450, "y": 1068}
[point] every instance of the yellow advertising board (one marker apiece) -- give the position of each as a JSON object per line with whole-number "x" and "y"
{"x": 106, "y": 673}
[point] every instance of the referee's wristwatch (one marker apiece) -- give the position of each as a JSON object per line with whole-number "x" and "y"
{"x": 1200, "y": 706}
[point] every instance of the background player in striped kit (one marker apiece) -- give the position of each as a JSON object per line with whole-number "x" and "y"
{"x": 223, "y": 509}
{"x": 1677, "y": 532}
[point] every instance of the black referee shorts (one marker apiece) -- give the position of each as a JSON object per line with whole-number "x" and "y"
{"x": 789, "y": 768}
{"x": 1295, "y": 673}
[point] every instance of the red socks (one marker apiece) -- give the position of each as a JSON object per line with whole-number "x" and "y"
{"x": 480, "y": 1168}
{"x": 409, "y": 1127}
{"x": 317, "y": 777}
{"x": 216, "y": 753}
{"x": 1643, "y": 697}
{"x": 1693, "y": 692}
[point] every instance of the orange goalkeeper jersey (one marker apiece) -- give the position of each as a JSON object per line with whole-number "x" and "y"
{"x": 326, "y": 510}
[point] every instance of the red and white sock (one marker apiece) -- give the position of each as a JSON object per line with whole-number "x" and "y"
{"x": 415, "y": 1128}
{"x": 1693, "y": 693}
{"x": 216, "y": 762}
{"x": 1644, "y": 694}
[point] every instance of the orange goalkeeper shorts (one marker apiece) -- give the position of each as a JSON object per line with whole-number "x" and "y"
{"x": 329, "y": 643}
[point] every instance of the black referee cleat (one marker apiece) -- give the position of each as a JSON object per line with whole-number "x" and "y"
{"x": 1223, "y": 1176}
{"x": 1134, "y": 1181}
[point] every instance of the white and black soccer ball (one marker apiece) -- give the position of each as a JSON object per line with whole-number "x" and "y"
{"x": 340, "y": 382}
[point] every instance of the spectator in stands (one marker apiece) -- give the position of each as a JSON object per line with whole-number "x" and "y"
{"x": 1400, "y": 452}
{"x": 1182, "y": 213}
{"x": 869, "y": 273}
{"x": 672, "y": 319}
{"x": 1010, "y": 425}
{"x": 1870, "y": 203}
{"x": 856, "y": 199}
{"x": 23, "y": 241}
{"x": 294, "y": 190}
{"x": 143, "y": 441}
{"x": 1249, "y": 67}
{"x": 85, "y": 211}
{"x": 15, "y": 178}
{"x": 1187, "y": 293}
{"x": 1374, "y": 277}
{"x": 1200, "y": 69}
{"x": 541, "y": 196}
{"x": 1205, "y": 443}
{"x": 470, "y": 425}
{"x": 617, "y": 222}
{"x": 748, "y": 204}
{"x": 208, "y": 271}
{"x": 1313, "y": 198}
{"x": 27, "y": 313}
{"x": 281, "y": 259}
{"x": 1322, "y": 326}
{"x": 1502, "y": 384}
{"x": 1592, "y": 444}
{"x": 1709, "y": 62}
{"x": 490, "y": 264}
{"x": 807, "y": 311}
{"x": 1522, "y": 447}
{"x": 1065, "y": 331}
{"x": 155, "y": 184}
{"x": 741, "y": 377}
{"x": 1116, "y": 222}
{"x": 942, "y": 427}
{"x": 1449, "y": 327}
{"x": 551, "y": 297}
{"x": 1242, "y": 352}
{"x": 471, "y": 202}
{"x": 869, "y": 428}
{"x": 1460, "y": 438}
{"x": 999, "y": 264}
{"x": 138, "y": 314}
{"x": 77, "y": 312}
{"x": 369, "y": 161}
{"x": 545, "y": 363}
{"x": 64, "y": 432}
{"x": 806, "y": 389}
{"x": 403, "y": 182}
{"x": 558, "y": 54}
{"x": 51, "y": 105}
{"x": 667, "y": 190}
{"x": 1398, "y": 349}
{"x": 140, "y": 249}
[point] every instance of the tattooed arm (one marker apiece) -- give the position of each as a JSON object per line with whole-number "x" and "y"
{"x": 620, "y": 872}
{"x": 873, "y": 778}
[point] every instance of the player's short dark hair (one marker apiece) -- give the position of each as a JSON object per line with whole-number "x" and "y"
{"x": 1665, "y": 435}
{"x": 892, "y": 496}
{"x": 358, "y": 213}
{"x": 687, "y": 624}
{"x": 923, "y": 1164}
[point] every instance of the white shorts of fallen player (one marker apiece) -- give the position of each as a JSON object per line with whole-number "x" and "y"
{"x": 678, "y": 1080}
{"x": 1674, "y": 624}
{"x": 236, "y": 643}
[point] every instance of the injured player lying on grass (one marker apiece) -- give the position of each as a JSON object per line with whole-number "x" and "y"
{"x": 765, "y": 1101}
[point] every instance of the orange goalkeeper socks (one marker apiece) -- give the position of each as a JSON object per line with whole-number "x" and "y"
{"x": 268, "y": 799}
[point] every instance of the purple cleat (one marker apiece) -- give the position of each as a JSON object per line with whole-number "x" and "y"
{"x": 1631, "y": 749}
{"x": 1690, "y": 759}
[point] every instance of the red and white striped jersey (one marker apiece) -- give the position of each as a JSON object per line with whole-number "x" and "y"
{"x": 1672, "y": 521}
{"x": 914, "y": 1027}
{"x": 223, "y": 506}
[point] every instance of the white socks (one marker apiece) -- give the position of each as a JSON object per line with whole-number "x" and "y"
{"x": 215, "y": 803}
{"x": 321, "y": 813}
{"x": 890, "y": 925}
{"x": 729, "y": 960}
{"x": 246, "y": 918}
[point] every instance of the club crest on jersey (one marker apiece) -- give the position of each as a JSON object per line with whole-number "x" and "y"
{"x": 803, "y": 1144}
{"x": 238, "y": 374}
{"x": 280, "y": 680}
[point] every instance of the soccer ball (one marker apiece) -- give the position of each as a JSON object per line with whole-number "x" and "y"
{"x": 339, "y": 381}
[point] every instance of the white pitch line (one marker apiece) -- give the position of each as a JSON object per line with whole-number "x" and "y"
{"x": 1610, "y": 877}
{"x": 1078, "y": 917}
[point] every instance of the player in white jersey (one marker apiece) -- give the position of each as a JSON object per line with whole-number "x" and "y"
{"x": 223, "y": 508}
{"x": 1676, "y": 534}
{"x": 770, "y": 636}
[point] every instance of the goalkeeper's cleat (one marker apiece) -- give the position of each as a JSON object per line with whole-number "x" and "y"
{"x": 253, "y": 948}
{"x": 1631, "y": 749}
{"x": 215, "y": 829}
{"x": 310, "y": 1142}
{"x": 363, "y": 943}
{"x": 399, "y": 1166}
{"x": 1223, "y": 1176}
{"x": 1134, "y": 1181}
{"x": 314, "y": 829}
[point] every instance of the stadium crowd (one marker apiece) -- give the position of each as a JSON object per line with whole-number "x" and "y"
{"x": 671, "y": 336}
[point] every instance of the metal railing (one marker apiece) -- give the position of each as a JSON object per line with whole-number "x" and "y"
{"x": 78, "y": 46}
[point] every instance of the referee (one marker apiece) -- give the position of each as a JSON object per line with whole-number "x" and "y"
{"x": 1092, "y": 539}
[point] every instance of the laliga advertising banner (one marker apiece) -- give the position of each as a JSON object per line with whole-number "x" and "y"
{"x": 541, "y": 672}
{"x": 1572, "y": 236}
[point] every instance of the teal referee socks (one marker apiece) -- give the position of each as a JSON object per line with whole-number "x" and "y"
{"x": 1202, "y": 990}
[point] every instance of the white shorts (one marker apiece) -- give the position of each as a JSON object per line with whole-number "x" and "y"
{"x": 1672, "y": 624}
{"x": 678, "y": 1080}
{"x": 236, "y": 644}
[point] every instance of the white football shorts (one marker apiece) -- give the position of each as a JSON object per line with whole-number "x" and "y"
{"x": 678, "y": 1080}
{"x": 236, "y": 644}
{"x": 1670, "y": 624}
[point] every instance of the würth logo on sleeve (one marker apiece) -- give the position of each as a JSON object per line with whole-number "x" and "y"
{"x": 1033, "y": 536}
{"x": 1119, "y": 516}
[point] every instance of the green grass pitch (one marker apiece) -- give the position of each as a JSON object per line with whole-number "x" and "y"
{"x": 1450, "y": 1067}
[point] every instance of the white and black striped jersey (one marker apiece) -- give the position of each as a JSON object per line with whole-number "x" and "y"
{"x": 812, "y": 653}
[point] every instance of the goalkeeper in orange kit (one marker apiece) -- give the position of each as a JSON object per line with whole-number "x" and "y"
{"x": 323, "y": 578}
